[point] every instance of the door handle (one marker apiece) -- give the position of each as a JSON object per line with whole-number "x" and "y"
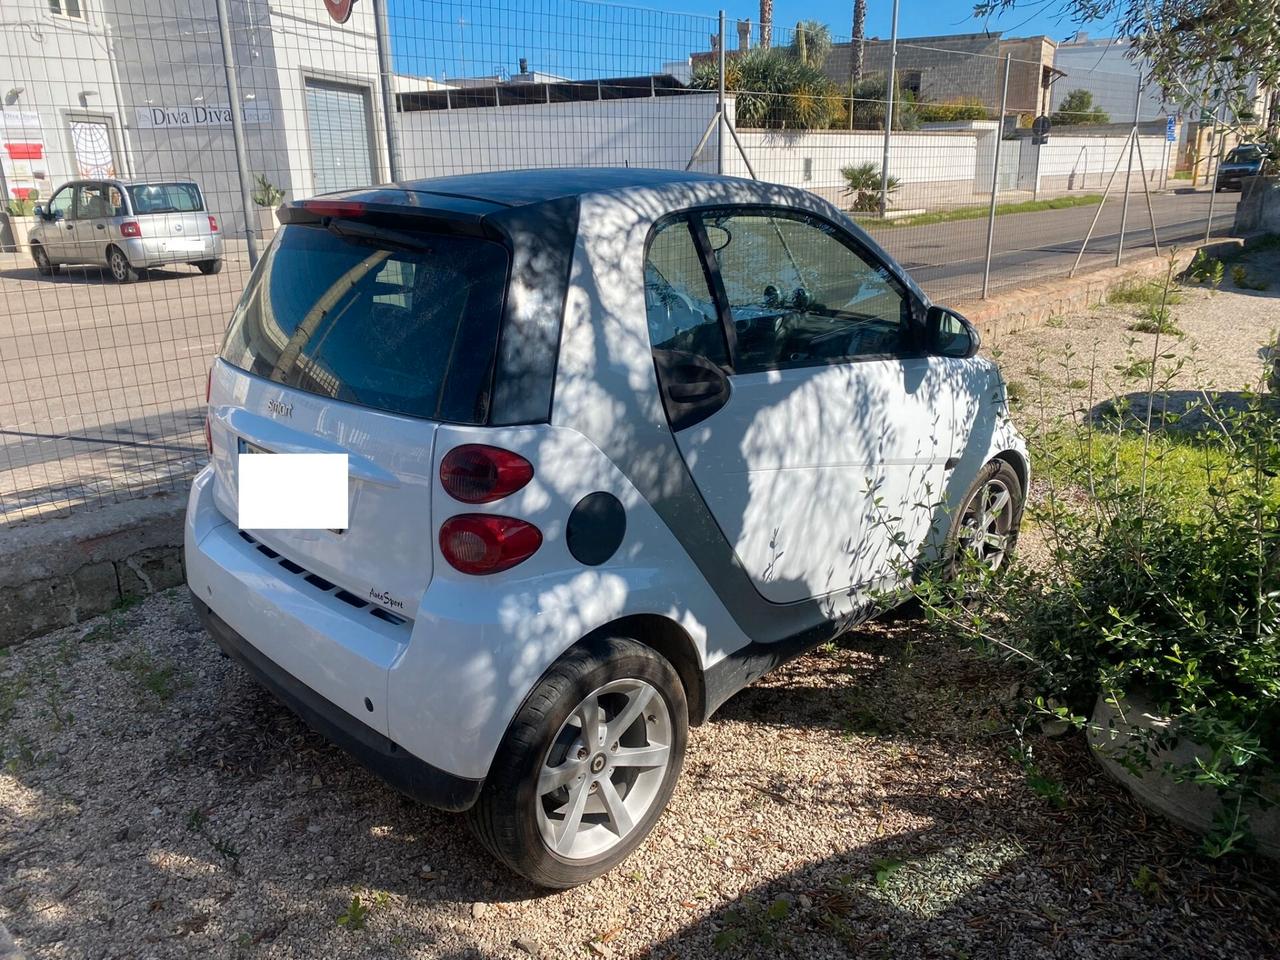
{"x": 71, "y": 226}
{"x": 102, "y": 226}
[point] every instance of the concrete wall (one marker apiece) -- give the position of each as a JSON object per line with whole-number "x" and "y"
{"x": 642, "y": 132}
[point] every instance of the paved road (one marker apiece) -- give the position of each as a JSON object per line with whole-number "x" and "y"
{"x": 102, "y": 386}
{"x": 947, "y": 258}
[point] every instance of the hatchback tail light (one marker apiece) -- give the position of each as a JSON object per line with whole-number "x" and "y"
{"x": 131, "y": 228}
{"x": 213, "y": 223}
{"x": 480, "y": 543}
{"x": 208, "y": 429}
{"x": 476, "y": 473}
{"x": 343, "y": 209}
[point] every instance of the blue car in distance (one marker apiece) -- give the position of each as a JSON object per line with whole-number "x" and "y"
{"x": 1243, "y": 161}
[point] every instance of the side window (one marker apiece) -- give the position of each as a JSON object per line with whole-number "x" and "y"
{"x": 800, "y": 295}
{"x": 60, "y": 204}
{"x": 92, "y": 202}
{"x": 682, "y": 312}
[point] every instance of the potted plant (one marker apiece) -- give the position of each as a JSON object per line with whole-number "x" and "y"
{"x": 266, "y": 196}
{"x": 19, "y": 218}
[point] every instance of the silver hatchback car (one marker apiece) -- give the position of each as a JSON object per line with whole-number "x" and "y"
{"x": 126, "y": 227}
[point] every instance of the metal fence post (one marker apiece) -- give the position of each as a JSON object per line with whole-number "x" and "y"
{"x": 382, "y": 30}
{"x": 995, "y": 177}
{"x": 890, "y": 85}
{"x": 237, "y": 133}
{"x": 1211, "y": 176}
{"x": 1133, "y": 140}
{"x": 720, "y": 125}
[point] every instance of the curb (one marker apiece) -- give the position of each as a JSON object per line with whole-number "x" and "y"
{"x": 1021, "y": 308}
{"x": 63, "y": 570}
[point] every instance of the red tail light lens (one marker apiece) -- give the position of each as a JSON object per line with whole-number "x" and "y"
{"x": 346, "y": 209}
{"x": 213, "y": 223}
{"x": 131, "y": 228}
{"x": 208, "y": 429}
{"x": 475, "y": 473}
{"x": 478, "y": 543}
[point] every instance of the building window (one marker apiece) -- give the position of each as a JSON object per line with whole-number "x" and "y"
{"x": 67, "y": 8}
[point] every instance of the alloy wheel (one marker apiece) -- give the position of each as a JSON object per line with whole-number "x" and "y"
{"x": 986, "y": 529}
{"x": 604, "y": 770}
{"x": 119, "y": 266}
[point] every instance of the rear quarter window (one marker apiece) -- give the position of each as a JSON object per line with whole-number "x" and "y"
{"x": 407, "y": 330}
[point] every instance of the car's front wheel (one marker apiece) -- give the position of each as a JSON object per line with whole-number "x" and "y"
{"x": 985, "y": 528}
{"x": 118, "y": 264}
{"x": 587, "y": 765}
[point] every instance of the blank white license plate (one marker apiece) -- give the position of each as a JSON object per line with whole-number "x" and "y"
{"x": 183, "y": 246}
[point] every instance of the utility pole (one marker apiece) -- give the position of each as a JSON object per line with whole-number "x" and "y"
{"x": 237, "y": 132}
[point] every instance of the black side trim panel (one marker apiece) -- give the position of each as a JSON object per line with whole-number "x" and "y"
{"x": 542, "y": 237}
{"x": 380, "y": 755}
{"x": 747, "y": 664}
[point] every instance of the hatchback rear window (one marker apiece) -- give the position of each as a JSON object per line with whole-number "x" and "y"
{"x": 399, "y": 328}
{"x": 165, "y": 198}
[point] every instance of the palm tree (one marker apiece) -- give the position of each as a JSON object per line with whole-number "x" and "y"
{"x": 855, "y": 51}
{"x": 766, "y": 23}
{"x": 812, "y": 43}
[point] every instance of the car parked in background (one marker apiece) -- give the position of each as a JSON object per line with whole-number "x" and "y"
{"x": 1243, "y": 161}
{"x": 127, "y": 227}
{"x": 619, "y": 442}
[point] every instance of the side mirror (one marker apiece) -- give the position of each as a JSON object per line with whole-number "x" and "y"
{"x": 38, "y": 211}
{"x": 948, "y": 334}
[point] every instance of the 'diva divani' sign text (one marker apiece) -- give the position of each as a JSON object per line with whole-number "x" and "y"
{"x": 199, "y": 115}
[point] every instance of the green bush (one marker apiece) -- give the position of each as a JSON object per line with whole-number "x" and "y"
{"x": 952, "y": 111}
{"x": 775, "y": 89}
{"x": 1162, "y": 577}
{"x": 862, "y": 185}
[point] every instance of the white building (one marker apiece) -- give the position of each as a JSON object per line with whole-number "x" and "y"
{"x": 135, "y": 88}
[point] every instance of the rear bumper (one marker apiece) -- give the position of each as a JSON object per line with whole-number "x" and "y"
{"x": 153, "y": 251}
{"x": 383, "y": 757}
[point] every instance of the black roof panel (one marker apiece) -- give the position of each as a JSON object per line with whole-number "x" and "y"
{"x": 519, "y": 187}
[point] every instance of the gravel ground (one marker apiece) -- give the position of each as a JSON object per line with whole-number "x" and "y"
{"x": 864, "y": 800}
{"x": 1082, "y": 359}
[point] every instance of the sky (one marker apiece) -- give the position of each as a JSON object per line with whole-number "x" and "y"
{"x": 584, "y": 39}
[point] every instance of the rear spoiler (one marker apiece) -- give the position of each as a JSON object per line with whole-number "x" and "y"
{"x": 394, "y": 208}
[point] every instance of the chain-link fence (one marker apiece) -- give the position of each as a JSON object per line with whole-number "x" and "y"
{"x": 115, "y": 299}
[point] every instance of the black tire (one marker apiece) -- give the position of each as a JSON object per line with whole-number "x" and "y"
{"x": 209, "y": 267}
{"x": 44, "y": 266}
{"x": 999, "y": 472}
{"x": 505, "y": 818}
{"x": 118, "y": 266}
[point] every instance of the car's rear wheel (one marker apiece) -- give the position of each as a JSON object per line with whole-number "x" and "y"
{"x": 210, "y": 267}
{"x": 985, "y": 528}
{"x": 587, "y": 765}
{"x": 118, "y": 264}
{"x": 44, "y": 266}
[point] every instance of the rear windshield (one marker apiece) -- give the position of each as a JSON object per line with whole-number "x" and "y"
{"x": 165, "y": 198}
{"x": 407, "y": 330}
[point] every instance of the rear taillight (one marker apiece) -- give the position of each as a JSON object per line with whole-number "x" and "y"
{"x": 475, "y": 473}
{"x": 213, "y": 223}
{"x": 343, "y": 209}
{"x": 208, "y": 429}
{"x": 478, "y": 543}
{"x": 131, "y": 228}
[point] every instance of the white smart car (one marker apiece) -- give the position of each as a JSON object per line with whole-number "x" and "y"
{"x": 619, "y": 442}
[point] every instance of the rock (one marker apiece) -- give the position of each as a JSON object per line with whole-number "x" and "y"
{"x": 804, "y": 902}
{"x": 479, "y": 909}
{"x": 528, "y": 946}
